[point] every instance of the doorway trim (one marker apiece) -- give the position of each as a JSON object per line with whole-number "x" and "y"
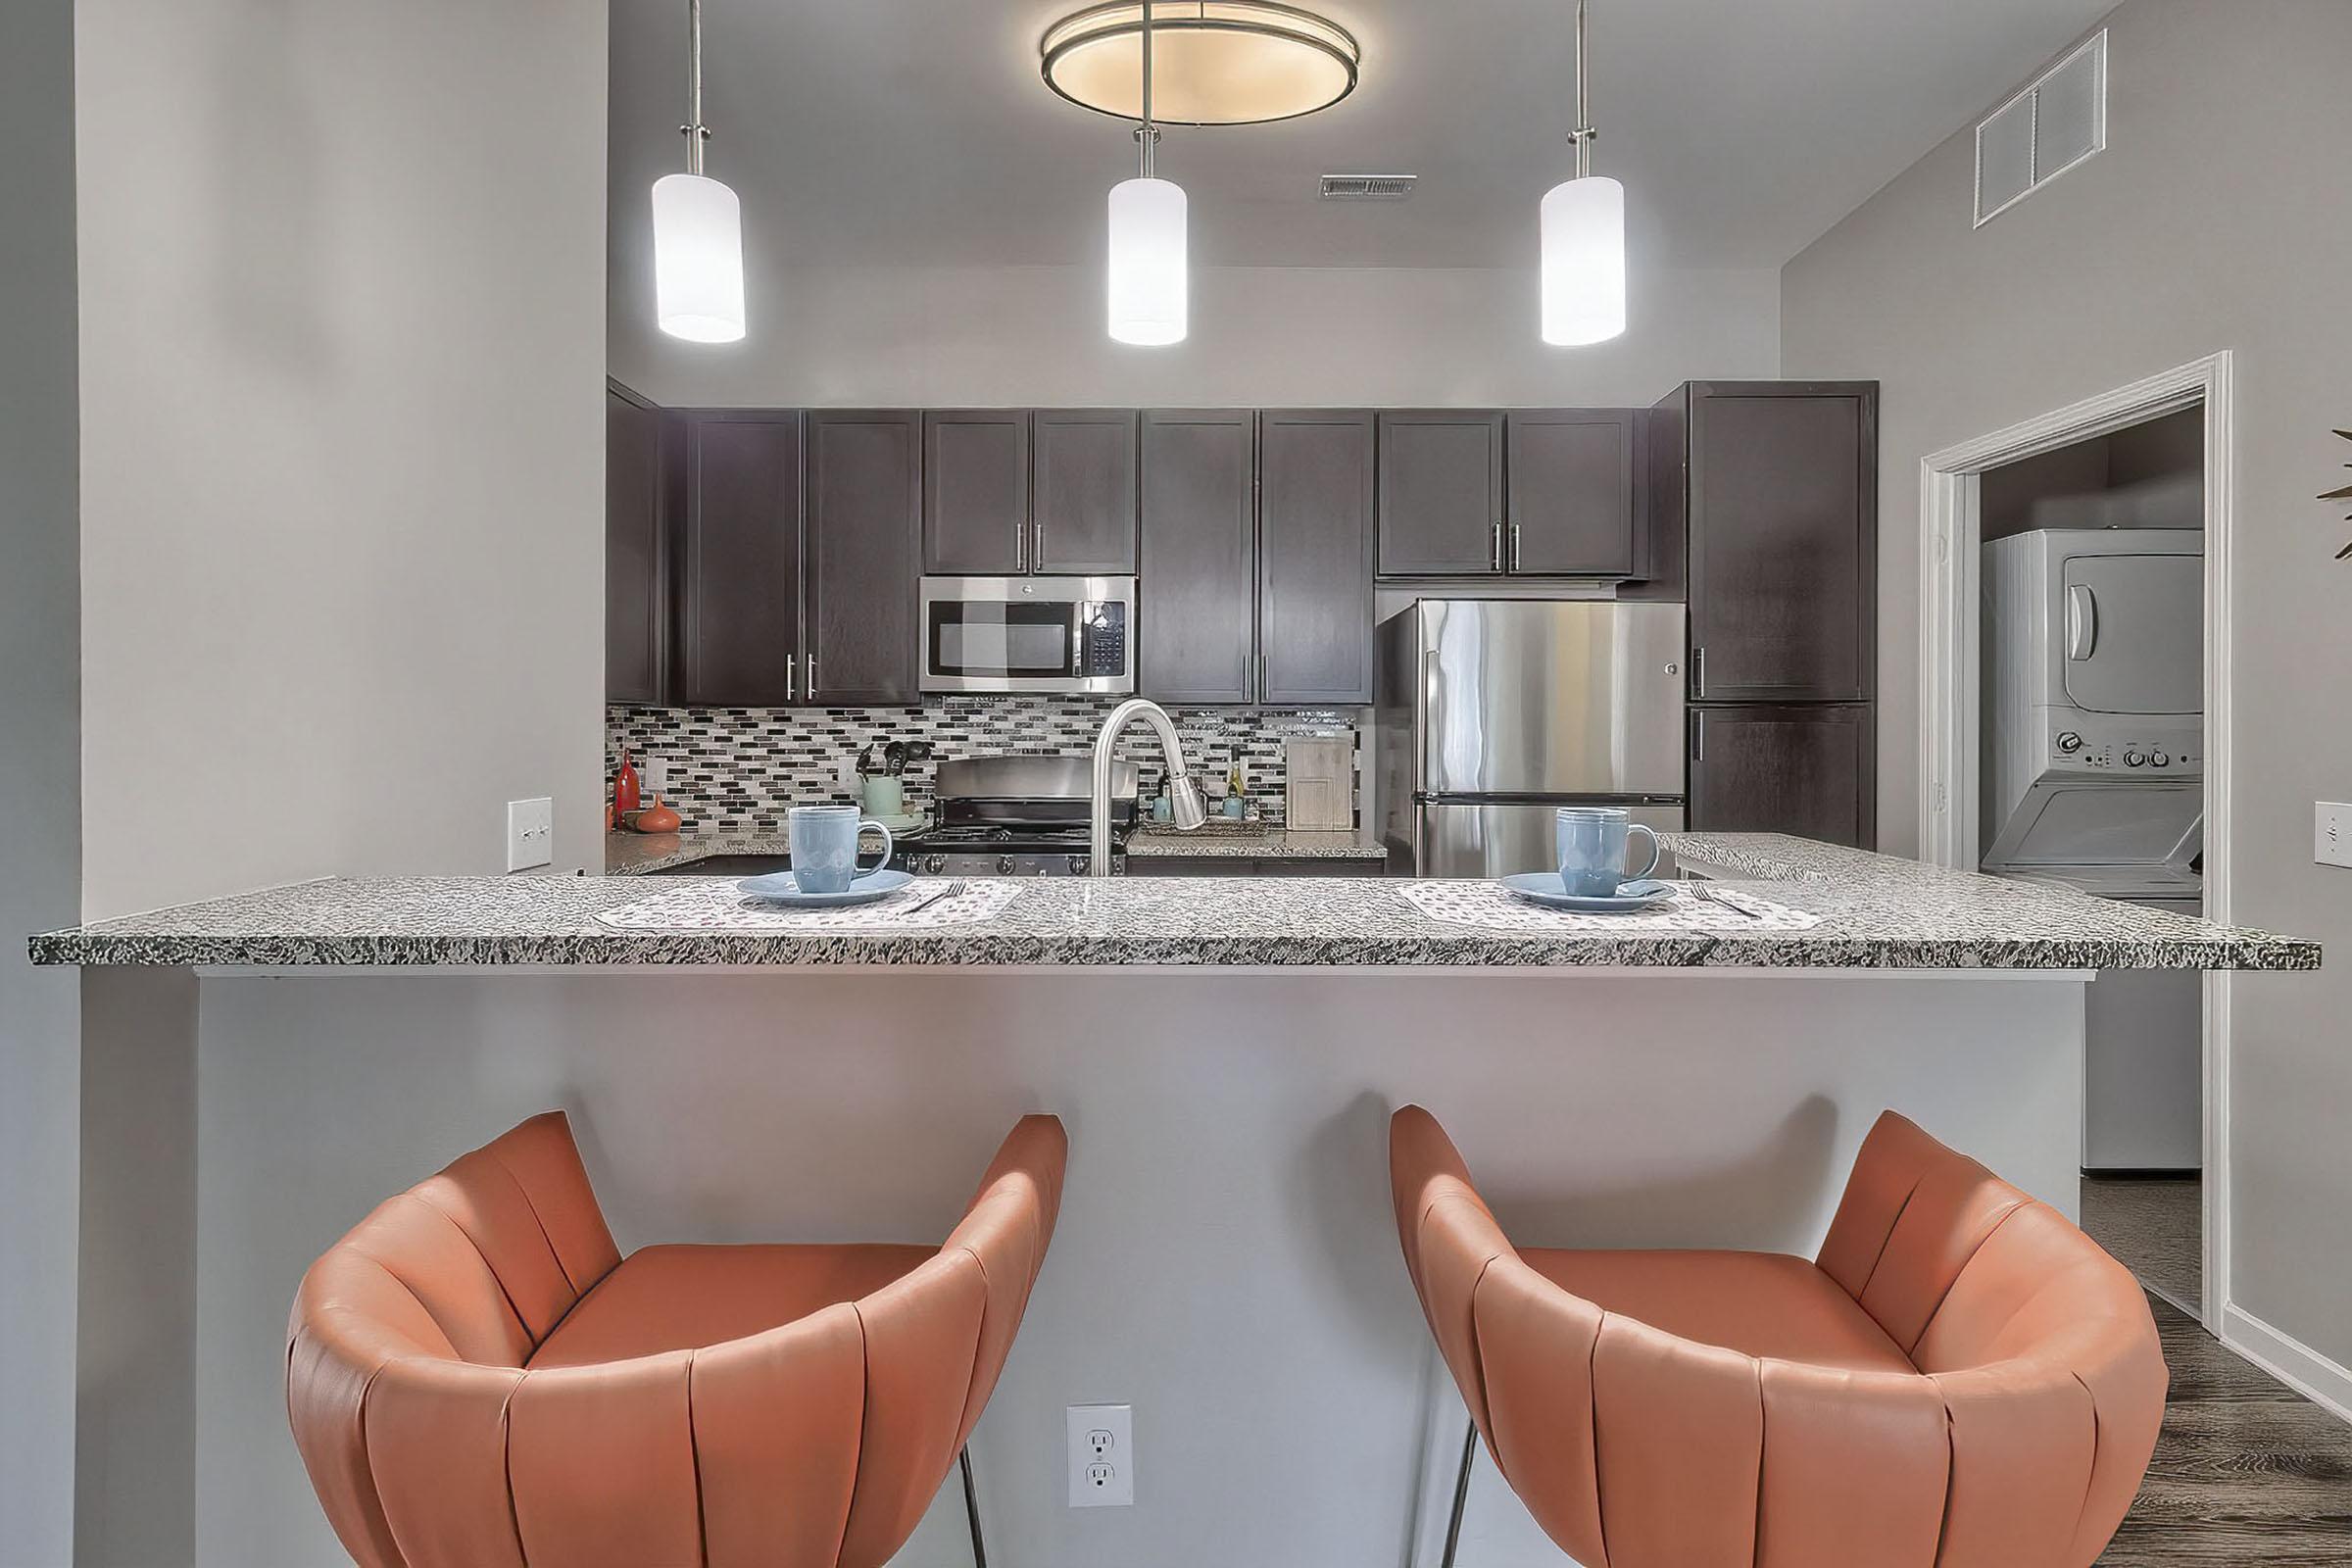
{"x": 1952, "y": 532}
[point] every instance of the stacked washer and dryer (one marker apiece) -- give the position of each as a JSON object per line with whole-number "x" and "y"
{"x": 2095, "y": 779}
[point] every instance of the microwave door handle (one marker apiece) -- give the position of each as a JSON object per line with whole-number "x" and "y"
{"x": 2081, "y": 622}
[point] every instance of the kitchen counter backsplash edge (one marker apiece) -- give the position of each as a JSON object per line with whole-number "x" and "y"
{"x": 736, "y": 770}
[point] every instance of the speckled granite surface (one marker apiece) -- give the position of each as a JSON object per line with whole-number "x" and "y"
{"x": 1876, "y": 913}
{"x": 636, "y": 854}
{"x": 1272, "y": 844}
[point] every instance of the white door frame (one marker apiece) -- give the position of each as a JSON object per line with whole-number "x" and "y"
{"x": 1950, "y": 535}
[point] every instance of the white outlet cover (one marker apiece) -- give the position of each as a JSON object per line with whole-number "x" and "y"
{"x": 2331, "y": 833}
{"x": 531, "y": 833}
{"x": 1100, "y": 1449}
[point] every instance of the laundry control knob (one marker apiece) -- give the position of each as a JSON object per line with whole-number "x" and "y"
{"x": 2161, "y": 759}
{"x": 2135, "y": 759}
{"x": 2070, "y": 742}
{"x": 1004, "y": 865}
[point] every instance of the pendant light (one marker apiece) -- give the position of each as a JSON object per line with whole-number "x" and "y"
{"x": 698, "y": 228}
{"x": 1583, "y": 223}
{"x": 1149, "y": 282}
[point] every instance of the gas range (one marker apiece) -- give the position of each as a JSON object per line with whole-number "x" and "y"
{"x": 1017, "y": 816}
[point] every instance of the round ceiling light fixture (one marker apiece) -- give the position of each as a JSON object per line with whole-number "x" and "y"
{"x": 1217, "y": 62}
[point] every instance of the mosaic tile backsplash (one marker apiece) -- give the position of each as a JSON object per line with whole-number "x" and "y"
{"x": 737, "y": 768}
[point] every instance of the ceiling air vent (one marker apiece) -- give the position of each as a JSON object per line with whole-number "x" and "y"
{"x": 1368, "y": 187}
{"x": 2044, "y": 130}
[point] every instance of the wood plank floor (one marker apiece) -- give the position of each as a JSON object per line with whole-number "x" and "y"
{"x": 2155, "y": 1227}
{"x": 2247, "y": 1472}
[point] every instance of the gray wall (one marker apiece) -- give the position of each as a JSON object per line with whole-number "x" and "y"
{"x": 2215, "y": 220}
{"x": 40, "y": 768}
{"x": 342, "y": 364}
{"x": 1260, "y": 337}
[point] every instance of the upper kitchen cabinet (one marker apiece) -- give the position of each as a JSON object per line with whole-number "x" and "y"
{"x": 738, "y": 562}
{"x": 1782, "y": 507}
{"x": 636, "y": 564}
{"x": 1441, "y": 493}
{"x": 1575, "y": 482}
{"x": 863, "y": 530}
{"x": 976, "y": 492}
{"x": 1760, "y": 768}
{"x": 1082, "y": 499}
{"x": 1315, "y": 527}
{"x": 1197, "y": 641}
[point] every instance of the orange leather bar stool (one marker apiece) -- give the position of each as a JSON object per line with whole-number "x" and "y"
{"x": 477, "y": 1379}
{"x": 1962, "y": 1379}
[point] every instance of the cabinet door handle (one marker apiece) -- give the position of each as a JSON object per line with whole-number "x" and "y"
{"x": 791, "y": 663}
{"x": 1495, "y": 549}
{"x": 812, "y": 675}
{"x": 1699, "y": 672}
{"x": 1698, "y": 737}
{"x": 1037, "y": 546}
{"x": 1514, "y": 547}
{"x": 1020, "y": 548}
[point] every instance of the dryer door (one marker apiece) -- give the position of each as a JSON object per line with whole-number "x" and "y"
{"x": 2133, "y": 634}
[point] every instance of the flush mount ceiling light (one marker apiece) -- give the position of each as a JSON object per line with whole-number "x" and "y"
{"x": 698, "y": 228}
{"x": 1219, "y": 62}
{"x": 1583, "y": 223}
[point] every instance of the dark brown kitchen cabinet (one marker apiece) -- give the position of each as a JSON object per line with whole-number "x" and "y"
{"x": 1781, "y": 768}
{"x": 1573, "y": 479}
{"x": 1315, "y": 549}
{"x": 976, "y": 492}
{"x": 1782, "y": 511}
{"x": 739, "y": 558}
{"x": 862, "y": 534}
{"x": 636, "y": 564}
{"x": 1441, "y": 493}
{"x": 1196, "y": 638}
{"x": 1082, "y": 500}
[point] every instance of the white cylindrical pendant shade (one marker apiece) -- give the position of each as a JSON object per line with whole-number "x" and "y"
{"x": 698, "y": 259}
{"x": 1149, "y": 280}
{"x": 1583, "y": 261}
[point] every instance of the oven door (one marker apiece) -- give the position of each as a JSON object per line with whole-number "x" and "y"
{"x": 1028, "y": 634}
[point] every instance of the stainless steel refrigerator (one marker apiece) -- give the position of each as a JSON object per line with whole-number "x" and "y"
{"x": 1491, "y": 712}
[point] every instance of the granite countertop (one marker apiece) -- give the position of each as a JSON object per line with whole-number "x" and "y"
{"x": 1877, "y": 913}
{"x": 636, "y": 854}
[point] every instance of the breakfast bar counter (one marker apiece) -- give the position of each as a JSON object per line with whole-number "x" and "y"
{"x": 258, "y": 1072}
{"x": 1855, "y": 911}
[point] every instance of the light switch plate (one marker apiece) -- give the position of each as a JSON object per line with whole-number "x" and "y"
{"x": 1101, "y": 1455}
{"x": 2331, "y": 833}
{"x": 531, "y": 833}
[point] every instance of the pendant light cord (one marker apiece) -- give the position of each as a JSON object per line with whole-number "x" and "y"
{"x": 1147, "y": 134}
{"x": 694, "y": 130}
{"x": 1582, "y": 136}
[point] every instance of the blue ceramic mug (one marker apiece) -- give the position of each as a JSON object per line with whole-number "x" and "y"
{"x": 1592, "y": 849}
{"x": 824, "y": 846}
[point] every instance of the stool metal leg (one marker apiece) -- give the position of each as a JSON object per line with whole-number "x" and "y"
{"x": 971, "y": 1509}
{"x": 1461, "y": 1496}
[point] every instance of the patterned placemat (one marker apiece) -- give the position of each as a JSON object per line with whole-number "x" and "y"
{"x": 709, "y": 906}
{"x": 1483, "y": 904}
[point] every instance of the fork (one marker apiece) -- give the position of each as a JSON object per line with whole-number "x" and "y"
{"x": 951, "y": 890}
{"x": 1701, "y": 892}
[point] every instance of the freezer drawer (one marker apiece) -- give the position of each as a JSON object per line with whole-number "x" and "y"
{"x": 1500, "y": 840}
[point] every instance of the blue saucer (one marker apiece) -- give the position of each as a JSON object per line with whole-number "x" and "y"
{"x": 1543, "y": 887}
{"x": 779, "y": 889}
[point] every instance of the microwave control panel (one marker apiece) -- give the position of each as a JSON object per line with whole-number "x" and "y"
{"x": 1102, "y": 641}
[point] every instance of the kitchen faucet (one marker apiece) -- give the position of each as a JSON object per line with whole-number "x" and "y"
{"x": 1183, "y": 795}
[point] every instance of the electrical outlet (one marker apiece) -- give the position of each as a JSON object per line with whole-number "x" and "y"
{"x": 531, "y": 833}
{"x": 653, "y": 772}
{"x": 1101, "y": 1455}
{"x": 2331, "y": 833}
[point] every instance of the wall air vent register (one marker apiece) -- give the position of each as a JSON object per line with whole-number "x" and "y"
{"x": 2056, "y": 122}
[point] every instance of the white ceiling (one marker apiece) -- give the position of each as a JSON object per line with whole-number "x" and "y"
{"x": 865, "y": 132}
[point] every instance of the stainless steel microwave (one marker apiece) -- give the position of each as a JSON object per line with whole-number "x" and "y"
{"x": 1028, "y": 634}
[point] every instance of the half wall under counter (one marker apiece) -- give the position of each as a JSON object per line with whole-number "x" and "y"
{"x": 258, "y": 1072}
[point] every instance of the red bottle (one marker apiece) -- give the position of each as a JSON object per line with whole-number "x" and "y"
{"x": 624, "y": 787}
